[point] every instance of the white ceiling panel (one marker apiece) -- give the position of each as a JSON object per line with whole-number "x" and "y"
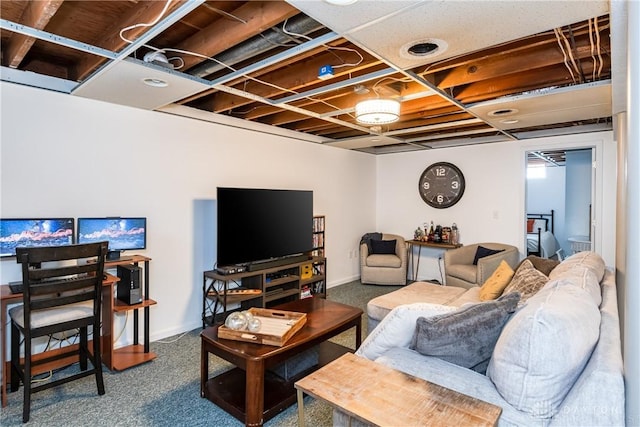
{"x": 123, "y": 84}
{"x": 385, "y": 27}
{"x": 562, "y": 105}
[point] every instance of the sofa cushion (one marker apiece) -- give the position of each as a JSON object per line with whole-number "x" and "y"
{"x": 584, "y": 279}
{"x": 589, "y": 260}
{"x": 482, "y": 252}
{"x": 384, "y": 260}
{"x": 526, "y": 280}
{"x": 379, "y": 307}
{"x": 543, "y": 265}
{"x": 465, "y": 337}
{"x": 383, "y": 246}
{"x": 495, "y": 284}
{"x": 544, "y": 347}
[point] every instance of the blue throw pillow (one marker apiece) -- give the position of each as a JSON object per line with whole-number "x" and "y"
{"x": 465, "y": 337}
{"x": 482, "y": 252}
{"x": 383, "y": 247}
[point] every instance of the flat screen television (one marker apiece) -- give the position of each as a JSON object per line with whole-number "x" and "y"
{"x": 19, "y": 232}
{"x": 123, "y": 234}
{"x": 256, "y": 225}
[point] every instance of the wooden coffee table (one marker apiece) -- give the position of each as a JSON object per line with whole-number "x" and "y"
{"x": 252, "y": 393}
{"x": 379, "y": 395}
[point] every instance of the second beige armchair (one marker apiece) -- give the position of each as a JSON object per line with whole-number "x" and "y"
{"x": 461, "y": 271}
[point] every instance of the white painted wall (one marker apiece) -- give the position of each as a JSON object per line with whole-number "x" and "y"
{"x": 69, "y": 156}
{"x": 579, "y": 170}
{"x": 493, "y": 206}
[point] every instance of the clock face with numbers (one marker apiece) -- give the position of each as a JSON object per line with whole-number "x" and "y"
{"x": 441, "y": 185}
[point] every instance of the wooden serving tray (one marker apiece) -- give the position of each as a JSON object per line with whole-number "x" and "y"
{"x": 277, "y": 327}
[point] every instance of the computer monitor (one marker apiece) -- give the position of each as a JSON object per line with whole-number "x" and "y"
{"x": 122, "y": 233}
{"x": 30, "y": 232}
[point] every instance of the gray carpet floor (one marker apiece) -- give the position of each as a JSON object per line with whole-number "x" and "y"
{"x": 166, "y": 391}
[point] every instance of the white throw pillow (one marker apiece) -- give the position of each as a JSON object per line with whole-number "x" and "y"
{"x": 397, "y": 327}
{"x": 544, "y": 347}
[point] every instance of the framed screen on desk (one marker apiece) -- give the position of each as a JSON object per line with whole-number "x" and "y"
{"x": 122, "y": 233}
{"x": 30, "y": 232}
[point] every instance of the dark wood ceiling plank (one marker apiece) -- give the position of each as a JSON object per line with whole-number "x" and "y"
{"x": 36, "y": 15}
{"x": 301, "y": 77}
{"x": 226, "y": 33}
{"x": 556, "y": 75}
{"x": 142, "y": 12}
{"x": 504, "y": 64}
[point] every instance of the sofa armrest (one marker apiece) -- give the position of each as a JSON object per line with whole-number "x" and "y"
{"x": 487, "y": 265}
{"x": 397, "y": 327}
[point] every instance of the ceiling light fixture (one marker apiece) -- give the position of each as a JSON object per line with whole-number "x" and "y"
{"x": 503, "y": 112}
{"x": 377, "y": 111}
{"x": 153, "y": 82}
{"x": 423, "y": 48}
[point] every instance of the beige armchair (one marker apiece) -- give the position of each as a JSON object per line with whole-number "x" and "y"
{"x": 460, "y": 271}
{"x": 384, "y": 268}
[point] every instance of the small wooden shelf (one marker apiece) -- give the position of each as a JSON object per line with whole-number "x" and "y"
{"x": 135, "y": 354}
{"x": 131, "y": 355}
{"x": 120, "y": 306}
{"x": 312, "y": 279}
{"x": 281, "y": 281}
{"x": 279, "y": 295}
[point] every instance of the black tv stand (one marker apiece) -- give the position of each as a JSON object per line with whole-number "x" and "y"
{"x": 262, "y": 265}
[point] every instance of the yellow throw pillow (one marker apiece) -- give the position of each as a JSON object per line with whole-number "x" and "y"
{"x": 493, "y": 287}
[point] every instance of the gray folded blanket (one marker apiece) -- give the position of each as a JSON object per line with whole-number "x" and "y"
{"x": 368, "y": 237}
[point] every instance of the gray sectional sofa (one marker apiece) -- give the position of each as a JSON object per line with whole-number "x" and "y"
{"x": 557, "y": 360}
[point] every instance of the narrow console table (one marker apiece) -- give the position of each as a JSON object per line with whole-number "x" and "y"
{"x": 415, "y": 265}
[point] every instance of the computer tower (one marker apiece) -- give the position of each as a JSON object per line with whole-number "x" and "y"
{"x": 129, "y": 290}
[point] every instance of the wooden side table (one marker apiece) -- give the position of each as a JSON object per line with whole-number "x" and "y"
{"x": 376, "y": 394}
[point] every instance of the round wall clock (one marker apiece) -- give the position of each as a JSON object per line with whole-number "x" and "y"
{"x": 441, "y": 185}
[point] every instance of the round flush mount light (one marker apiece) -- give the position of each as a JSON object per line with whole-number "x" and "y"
{"x": 423, "y": 48}
{"x": 377, "y": 111}
{"x": 509, "y": 121}
{"x": 153, "y": 82}
{"x": 503, "y": 112}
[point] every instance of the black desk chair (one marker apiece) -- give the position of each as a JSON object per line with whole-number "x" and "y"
{"x": 57, "y": 297}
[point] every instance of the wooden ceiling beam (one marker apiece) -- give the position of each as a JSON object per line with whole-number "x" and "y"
{"x": 556, "y": 75}
{"x": 226, "y": 33}
{"x": 36, "y": 15}
{"x": 504, "y": 64}
{"x": 145, "y": 11}
{"x": 303, "y": 76}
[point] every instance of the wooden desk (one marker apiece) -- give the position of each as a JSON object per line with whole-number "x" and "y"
{"x": 379, "y": 395}
{"x": 415, "y": 265}
{"x": 7, "y": 298}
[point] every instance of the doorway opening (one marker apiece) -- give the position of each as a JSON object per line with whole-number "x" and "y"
{"x": 559, "y": 202}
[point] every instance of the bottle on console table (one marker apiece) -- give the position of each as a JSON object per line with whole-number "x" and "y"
{"x": 437, "y": 235}
{"x": 430, "y": 234}
{"x": 454, "y": 234}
